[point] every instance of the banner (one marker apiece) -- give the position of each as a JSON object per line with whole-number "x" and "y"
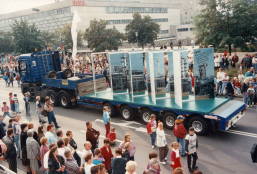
{"x": 177, "y": 79}
{"x": 170, "y": 87}
{"x": 152, "y": 79}
{"x": 204, "y": 73}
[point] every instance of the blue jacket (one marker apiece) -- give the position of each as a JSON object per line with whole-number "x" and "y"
{"x": 106, "y": 120}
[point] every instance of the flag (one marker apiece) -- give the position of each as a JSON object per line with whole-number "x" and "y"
{"x": 74, "y": 33}
{"x": 56, "y": 46}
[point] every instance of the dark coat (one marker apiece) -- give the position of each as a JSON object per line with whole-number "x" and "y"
{"x": 73, "y": 144}
{"x": 126, "y": 155}
{"x": 230, "y": 89}
{"x": 90, "y": 136}
{"x": 53, "y": 165}
{"x": 244, "y": 87}
{"x": 23, "y": 138}
{"x": 2, "y": 132}
{"x": 254, "y": 153}
{"x": 119, "y": 165}
{"x": 11, "y": 150}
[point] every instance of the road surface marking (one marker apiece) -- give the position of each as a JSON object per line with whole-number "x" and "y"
{"x": 241, "y": 133}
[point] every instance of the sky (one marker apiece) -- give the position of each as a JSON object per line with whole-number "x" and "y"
{"x": 8, "y": 6}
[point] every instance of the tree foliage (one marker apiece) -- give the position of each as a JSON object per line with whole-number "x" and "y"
{"x": 50, "y": 39}
{"x": 100, "y": 39}
{"x": 67, "y": 39}
{"x": 6, "y": 42}
{"x": 26, "y": 38}
{"x": 146, "y": 28}
{"x": 226, "y": 23}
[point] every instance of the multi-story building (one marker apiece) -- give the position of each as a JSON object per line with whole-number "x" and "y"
{"x": 117, "y": 13}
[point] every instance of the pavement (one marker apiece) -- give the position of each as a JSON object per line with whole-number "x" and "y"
{"x": 220, "y": 152}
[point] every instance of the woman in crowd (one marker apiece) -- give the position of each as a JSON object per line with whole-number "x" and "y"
{"x": 40, "y": 133}
{"x": 132, "y": 149}
{"x": 55, "y": 162}
{"x": 245, "y": 87}
{"x": 50, "y": 135}
{"x": 106, "y": 152}
{"x": 73, "y": 144}
{"x": 101, "y": 169}
{"x": 162, "y": 143}
{"x": 88, "y": 165}
{"x": 23, "y": 138}
{"x": 241, "y": 77}
{"x": 43, "y": 150}
{"x": 131, "y": 167}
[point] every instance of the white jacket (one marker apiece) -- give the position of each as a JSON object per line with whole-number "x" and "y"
{"x": 161, "y": 139}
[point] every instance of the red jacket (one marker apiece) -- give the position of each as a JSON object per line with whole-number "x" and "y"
{"x": 107, "y": 157}
{"x": 111, "y": 136}
{"x": 179, "y": 129}
{"x": 148, "y": 127}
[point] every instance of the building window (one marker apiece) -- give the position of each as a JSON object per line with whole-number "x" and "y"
{"x": 163, "y": 32}
{"x": 126, "y": 21}
{"x": 135, "y": 9}
{"x": 185, "y": 13}
{"x": 182, "y": 29}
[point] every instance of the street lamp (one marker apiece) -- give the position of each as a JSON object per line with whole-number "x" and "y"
{"x": 137, "y": 38}
{"x": 37, "y": 10}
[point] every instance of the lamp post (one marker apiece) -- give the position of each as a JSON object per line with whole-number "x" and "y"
{"x": 137, "y": 38}
{"x": 37, "y": 10}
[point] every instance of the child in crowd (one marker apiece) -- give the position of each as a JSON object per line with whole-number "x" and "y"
{"x": 250, "y": 94}
{"x": 151, "y": 156}
{"x": 39, "y": 110}
{"x": 18, "y": 80}
{"x": 175, "y": 156}
{"x": 16, "y": 103}
{"x": 10, "y": 81}
{"x": 5, "y": 110}
{"x": 97, "y": 159}
{"x": 126, "y": 154}
{"x": 6, "y": 79}
{"x": 27, "y": 104}
{"x": 151, "y": 129}
{"x": 191, "y": 146}
{"x": 107, "y": 120}
{"x": 112, "y": 136}
{"x": 11, "y": 102}
{"x": 238, "y": 86}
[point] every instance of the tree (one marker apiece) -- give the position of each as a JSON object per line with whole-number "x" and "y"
{"x": 26, "y": 38}
{"x": 67, "y": 39}
{"x": 220, "y": 24}
{"x": 6, "y": 42}
{"x": 100, "y": 39}
{"x": 146, "y": 28}
{"x": 50, "y": 39}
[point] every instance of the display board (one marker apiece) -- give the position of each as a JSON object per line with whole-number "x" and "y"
{"x": 177, "y": 79}
{"x": 119, "y": 68}
{"x": 137, "y": 77}
{"x": 184, "y": 75}
{"x": 170, "y": 87}
{"x": 152, "y": 79}
{"x": 204, "y": 73}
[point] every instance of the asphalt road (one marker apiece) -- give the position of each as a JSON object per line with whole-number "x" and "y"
{"x": 220, "y": 152}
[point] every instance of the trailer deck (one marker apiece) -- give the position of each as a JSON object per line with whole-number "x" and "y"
{"x": 197, "y": 106}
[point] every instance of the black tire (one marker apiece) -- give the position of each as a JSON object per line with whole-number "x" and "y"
{"x": 53, "y": 97}
{"x": 169, "y": 120}
{"x": 127, "y": 113}
{"x": 67, "y": 73}
{"x": 199, "y": 124}
{"x": 52, "y": 75}
{"x": 145, "y": 115}
{"x": 111, "y": 109}
{"x": 65, "y": 101}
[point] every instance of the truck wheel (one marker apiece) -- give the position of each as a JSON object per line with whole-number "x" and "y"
{"x": 64, "y": 100}
{"x": 112, "y": 110}
{"x": 169, "y": 120}
{"x": 127, "y": 113}
{"x": 145, "y": 115}
{"x": 52, "y": 75}
{"x": 53, "y": 98}
{"x": 67, "y": 73}
{"x": 199, "y": 124}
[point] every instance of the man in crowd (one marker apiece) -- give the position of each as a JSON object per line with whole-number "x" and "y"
{"x": 70, "y": 165}
{"x": 118, "y": 163}
{"x": 49, "y": 108}
{"x": 33, "y": 151}
{"x": 59, "y": 135}
{"x": 17, "y": 130}
{"x": 225, "y": 80}
{"x": 250, "y": 73}
{"x": 92, "y": 136}
{"x": 10, "y": 155}
{"x": 61, "y": 150}
{"x": 86, "y": 150}
{"x": 153, "y": 167}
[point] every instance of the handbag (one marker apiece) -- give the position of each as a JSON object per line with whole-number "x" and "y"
{"x": 45, "y": 113}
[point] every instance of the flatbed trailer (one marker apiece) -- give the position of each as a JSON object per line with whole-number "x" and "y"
{"x": 204, "y": 115}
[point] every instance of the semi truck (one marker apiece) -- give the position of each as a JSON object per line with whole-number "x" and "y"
{"x": 41, "y": 75}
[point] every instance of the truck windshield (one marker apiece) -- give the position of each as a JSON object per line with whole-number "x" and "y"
{"x": 22, "y": 65}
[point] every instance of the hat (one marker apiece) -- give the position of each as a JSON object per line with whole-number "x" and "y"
{"x": 180, "y": 117}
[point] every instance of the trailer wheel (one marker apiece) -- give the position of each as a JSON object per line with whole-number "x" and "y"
{"x": 64, "y": 100}
{"x": 169, "y": 120}
{"x": 67, "y": 73}
{"x": 53, "y": 98}
{"x": 112, "y": 110}
{"x": 145, "y": 115}
{"x": 52, "y": 75}
{"x": 127, "y": 113}
{"x": 199, "y": 124}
